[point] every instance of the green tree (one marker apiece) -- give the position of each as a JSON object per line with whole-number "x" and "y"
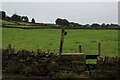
{"x": 33, "y": 20}
{"x": 25, "y": 19}
{"x": 103, "y": 25}
{"x": 16, "y": 17}
{"x": 95, "y": 25}
{"x": 62, "y": 22}
{"x": 2, "y": 15}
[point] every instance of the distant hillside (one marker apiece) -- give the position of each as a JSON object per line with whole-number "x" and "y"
{"x": 29, "y": 25}
{"x": 25, "y": 25}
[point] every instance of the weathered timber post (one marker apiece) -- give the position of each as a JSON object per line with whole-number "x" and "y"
{"x": 64, "y": 23}
{"x": 62, "y": 40}
{"x": 99, "y": 48}
{"x": 80, "y": 49}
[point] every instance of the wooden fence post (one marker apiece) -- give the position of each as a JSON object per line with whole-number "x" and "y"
{"x": 80, "y": 49}
{"x": 99, "y": 48}
{"x": 62, "y": 40}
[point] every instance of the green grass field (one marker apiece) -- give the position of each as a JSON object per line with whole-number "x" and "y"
{"x": 46, "y": 39}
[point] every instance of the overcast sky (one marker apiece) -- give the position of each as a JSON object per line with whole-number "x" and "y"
{"x": 81, "y": 12}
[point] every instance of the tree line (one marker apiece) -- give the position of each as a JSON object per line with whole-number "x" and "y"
{"x": 61, "y": 22}
{"x": 15, "y": 17}
{"x": 73, "y": 25}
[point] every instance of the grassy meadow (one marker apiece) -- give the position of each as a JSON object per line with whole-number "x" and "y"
{"x": 49, "y": 39}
